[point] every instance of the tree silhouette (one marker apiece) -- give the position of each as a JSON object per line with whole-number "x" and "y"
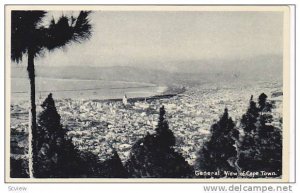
{"x": 18, "y": 168}
{"x": 92, "y": 167}
{"x": 113, "y": 167}
{"x": 249, "y": 128}
{"x": 164, "y": 135}
{"x": 261, "y": 147}
{"x": 262, "y": 151}
{"x": 269, "y": 146}
{"x": 56, "y": 154}
{"x": 154, "y": 155}
{"x": 264, "y": 105}
{"x": 250, "y": 117}
{"x": 29, "y": 37}
{"x": 219, "y": 153}
{"x": 262, "y": 101}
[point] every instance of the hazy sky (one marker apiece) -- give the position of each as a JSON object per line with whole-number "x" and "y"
{"x": 155, "y": 38}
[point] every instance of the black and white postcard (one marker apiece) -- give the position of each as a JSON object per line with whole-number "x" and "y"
{"x": 147, "y": 93}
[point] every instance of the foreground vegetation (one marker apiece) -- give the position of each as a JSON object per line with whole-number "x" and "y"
{"x": 254, "y": 145}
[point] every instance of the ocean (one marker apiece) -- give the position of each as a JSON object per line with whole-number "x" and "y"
{"x": 82, "y": 89}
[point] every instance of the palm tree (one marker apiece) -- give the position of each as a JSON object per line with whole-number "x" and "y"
{"x": 29, "y": 37}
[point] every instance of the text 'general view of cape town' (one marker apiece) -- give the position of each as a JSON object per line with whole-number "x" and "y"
{"x": 146, "y": 94}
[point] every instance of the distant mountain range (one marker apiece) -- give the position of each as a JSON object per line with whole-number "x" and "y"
{"x": 182, "y": 73}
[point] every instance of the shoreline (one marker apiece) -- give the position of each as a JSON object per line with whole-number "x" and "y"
{"x": 168, "y": 93}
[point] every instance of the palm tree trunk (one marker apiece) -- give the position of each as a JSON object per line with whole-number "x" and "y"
{"x": 32, "y": 131}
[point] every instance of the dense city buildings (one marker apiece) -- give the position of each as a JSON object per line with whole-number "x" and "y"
{"x": 99, "y": 126}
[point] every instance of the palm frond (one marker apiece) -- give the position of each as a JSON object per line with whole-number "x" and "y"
{"x": 58, "y": 33}
{"x": 66, "y": 30}
{"x": 82, "y": 28}
{"x": 23, "y": 29}
{"x": 26, "y": 33}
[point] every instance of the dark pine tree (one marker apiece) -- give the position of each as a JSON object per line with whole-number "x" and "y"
{"x": 92, "y": 167}
{"x": 29, "y": 37}
{"x": 262, "y": 99}
{"x": 164, "y": 135}
{"x": 56, "y": 154}
{"x": 18, "y": 168}
{"x": 250, "y": 118}
{"x": 113, "y": 167}
{"x": 154, "y": 156}
{"x": 269, "y": 146}
{"x": 261, "y": 149}
{"x": 247, "y": 145}
{"x": 219, "y": 154}
{"x": 264, "y": 105}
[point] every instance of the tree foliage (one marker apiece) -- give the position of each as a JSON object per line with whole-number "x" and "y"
{"x": 249, "y": 119}
{"x": 154, "y": 156}
{"x": 164, "y": 135}
{"x": 29, "y": 37}
{"x": 92, "y": 167}
{"x": 219, "y": 153}
{"x": 18, "y": 168}
{"x": 260, "y": 148}
{"x": 57, "y": 156}
{"x": 264, "y": 104}
{"x": 28, "y": 33}
{"x": 257, "y": 146}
